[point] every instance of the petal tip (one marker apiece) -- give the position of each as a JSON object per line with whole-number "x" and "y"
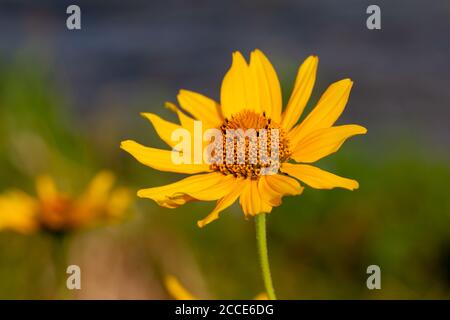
{"x": 170, "y": 105}
{"x": 140, "y": 193}
{"x": 354, "y": 186}
{"x": 300, "y": 191}
{"x": 238, "y": 57}
{"x": 147, "y": 115}
{"x": 357, "y": 129}
{"x": 201, "y": 224}
{"x": 313, "y": 59}
{"x": 125, "y": 144}
{"x": 345, "y": 85}
{"x": 258, "y": 53}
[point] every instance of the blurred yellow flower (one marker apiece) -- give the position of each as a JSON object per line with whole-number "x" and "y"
{"x": 251, "y": 99}
{"x": 178, "y": 292}
{"x": 56, "y": 211}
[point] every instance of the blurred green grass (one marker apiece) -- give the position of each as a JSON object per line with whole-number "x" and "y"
{"x": 320, "y": 243}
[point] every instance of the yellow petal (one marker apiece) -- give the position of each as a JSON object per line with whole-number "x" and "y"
{"x": 162, "y": 127}
{"x": 92, "y": 205}
{"x": 18, "y": 212}
{"x": 304, "y": 83}
{"x": 326, "y": 112}
{"x": 268, "y": 85}
{"x": 96, "y": 196}
{"x": 46, "y": 188}
{"x": 251, "y": 201}
{"x": 201, "y": 107}
{"x": 245, "y": 200}
{"x": 272, "y": 188}
{"x": 323, "y": 142}
{"x": 205, "y": 187}
{"x": 176, "y": 289}
{"x": 239, "y": 91}
{"x": 269, "y": 195}
{"x": 317, "y": 178}
{"x": 100, "y": 186}
{"x": 119, "y": 201}
{"x": 284, "y": 185}
{"x": 223, "y": 203}
{"x": 185, "y": 121}
{"x": 188, "y": 123}
{"x": 160, "y": 159}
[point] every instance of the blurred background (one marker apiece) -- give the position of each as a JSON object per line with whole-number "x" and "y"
{"x": 67, "y": 99}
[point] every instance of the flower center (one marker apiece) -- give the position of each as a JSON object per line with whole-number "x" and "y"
{"x": 252, "y": 144}
{"x": 55, "y": 213}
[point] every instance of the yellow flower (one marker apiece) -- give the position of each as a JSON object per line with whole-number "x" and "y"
{"x": 178, "y": 292}
{"x": 251, "y": 99}
{"x": 55, "y": 211}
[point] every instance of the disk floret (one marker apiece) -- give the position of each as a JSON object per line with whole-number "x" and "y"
{"x": 252, "y": 145}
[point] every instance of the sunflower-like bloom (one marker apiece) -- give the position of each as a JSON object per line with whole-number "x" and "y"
{"x": 250, "y": 98}
{"x": 54, "y": 211}
{"x": 179, "y": 292}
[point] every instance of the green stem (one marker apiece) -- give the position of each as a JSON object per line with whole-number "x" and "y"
{"x": 59, "y": 243}
{"x": 260, "y": 221}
